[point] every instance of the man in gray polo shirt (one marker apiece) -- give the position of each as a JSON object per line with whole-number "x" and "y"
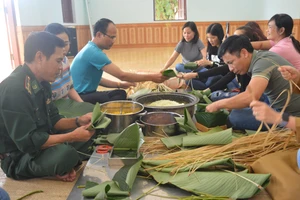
{"x": 241, "y": 58}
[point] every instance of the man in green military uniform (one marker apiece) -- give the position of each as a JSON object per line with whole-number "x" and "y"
{"x": 35, "y": 141}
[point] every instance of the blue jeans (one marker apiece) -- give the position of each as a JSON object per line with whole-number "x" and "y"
{"x": 233, "y": 85}
{"x": 3, "y": 194}
{"x": 242, "y": 119}
{"x": 220, "y": 94}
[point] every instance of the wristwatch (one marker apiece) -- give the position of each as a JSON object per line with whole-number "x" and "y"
{"x": 284, "y": 120}
{"x": 77, "y": 122}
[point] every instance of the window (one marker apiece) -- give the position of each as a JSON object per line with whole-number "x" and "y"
{"x": 169, "y": 10}
{"x": 67, "y": 11}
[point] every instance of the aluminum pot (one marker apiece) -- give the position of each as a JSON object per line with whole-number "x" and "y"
{"x": 189, "y": 101}
{"x": 159, "y": 123}
{"x": 122, "y": 113}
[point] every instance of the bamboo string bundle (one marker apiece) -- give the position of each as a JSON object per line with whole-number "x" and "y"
{"x": 154, "y": 87}
{"x": 153, "y": 146}
{"x": 243, "y": 150}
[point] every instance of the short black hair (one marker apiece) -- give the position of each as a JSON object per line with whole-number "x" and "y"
{"x": 101, "y": 26}
{"x": 193, "y": 27}
{"x": 234, "y": 44}
{"x": 56, "y": 28}
{"x": 41, "y": 41}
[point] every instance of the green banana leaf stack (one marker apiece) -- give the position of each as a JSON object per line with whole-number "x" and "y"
{"x": 190, "y": 66}
{"x": 99, "y": 121}
{"x": 118, "y": 188}
{"x": 169, "y": 73}
{"x": 217, "y": 178}
{"x": 208, "y": 119}
{"x": 70, "y": 108}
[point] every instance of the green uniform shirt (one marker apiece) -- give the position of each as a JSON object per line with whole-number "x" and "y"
{"x": 265, "y": 64}
{"x": 27, "y": 113}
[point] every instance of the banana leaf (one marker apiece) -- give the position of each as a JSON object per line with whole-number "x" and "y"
{"x": 129, "y": 138}
{"x": 211, "y": 119}
{"x": 169, "y": 73}
{"x": 219, "y": 138}
{"x": 173, "y": 141}
{"x": 197, "y": 93}
{"x": 125, "y": 177}
{"x": 186, "y": 122}
{"x": 111, "y": 186}
{"x": 217, "y": 183}
{"x": 139, "y": 92}
{"x": 190, "y": 65}
{"x": 99, "y": 121}
{"x": 211, "y": 130}
{"x": 70, "y": 108}
{"x": 225, "y": 163}
{"x": 120, "y": 185}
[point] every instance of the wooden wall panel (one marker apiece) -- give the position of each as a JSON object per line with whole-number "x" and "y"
{"x": 140, "y": 35}
{"x": 83, "y": 34}
{"x": 163, "y": 34}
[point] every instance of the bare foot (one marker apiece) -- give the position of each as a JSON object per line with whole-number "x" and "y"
{"x": 69, "y": 177}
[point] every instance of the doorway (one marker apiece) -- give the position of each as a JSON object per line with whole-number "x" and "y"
{"x": 9, "y": 48}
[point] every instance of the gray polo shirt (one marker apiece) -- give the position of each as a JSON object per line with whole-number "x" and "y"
{"x": 265, "y": 64}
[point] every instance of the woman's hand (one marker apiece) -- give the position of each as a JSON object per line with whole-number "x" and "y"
{"x": 187, "y": 76}
{"x": 203, "y": 62}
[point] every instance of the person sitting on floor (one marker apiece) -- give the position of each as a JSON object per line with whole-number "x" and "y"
{"x": 265, "y": 113}
{"x": 280, "y": 39}
{"x": 90, "y": 63}
{"x": 32, "y": 143}
{"x": 215, "y": 35}
{"x": 257, "y": 30}
{"x": 217, "y": 90}
{"x": 62, "y": 87}
{"x": 241, "y": 58}
{"x": 190, "y": 47}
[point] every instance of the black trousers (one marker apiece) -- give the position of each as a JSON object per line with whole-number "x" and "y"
{"x": 104, "y": 96}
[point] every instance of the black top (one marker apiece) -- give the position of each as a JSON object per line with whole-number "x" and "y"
{"x": 228, "y": 76}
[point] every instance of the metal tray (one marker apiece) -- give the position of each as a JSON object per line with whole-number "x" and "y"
{"x": 122, "y": 157}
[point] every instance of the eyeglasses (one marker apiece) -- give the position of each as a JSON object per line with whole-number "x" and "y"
{"x": 110, "y": 36}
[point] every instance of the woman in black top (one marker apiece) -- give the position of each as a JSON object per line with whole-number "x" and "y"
{"x": 223, "y": 70}
{"x": 208, "y": 78}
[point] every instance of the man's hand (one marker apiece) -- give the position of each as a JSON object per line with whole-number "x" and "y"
{"x": 213, "y": 107}
{"x": 289, "y": 73}
{"x": 159, "y": 78}
{"x": 85, "y": 119}
{"x": 81, "y": 134}
{"x": 125, "y": 84}
{"x": 263, "y": 112}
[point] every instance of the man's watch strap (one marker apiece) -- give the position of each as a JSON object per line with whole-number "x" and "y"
{"x": 77, "y": 122}
{"x": 285, "y": 120}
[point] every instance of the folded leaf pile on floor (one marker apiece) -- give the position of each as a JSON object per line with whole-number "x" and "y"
{"x": 209, "y": 169}
{"x": 123, "y": 180}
